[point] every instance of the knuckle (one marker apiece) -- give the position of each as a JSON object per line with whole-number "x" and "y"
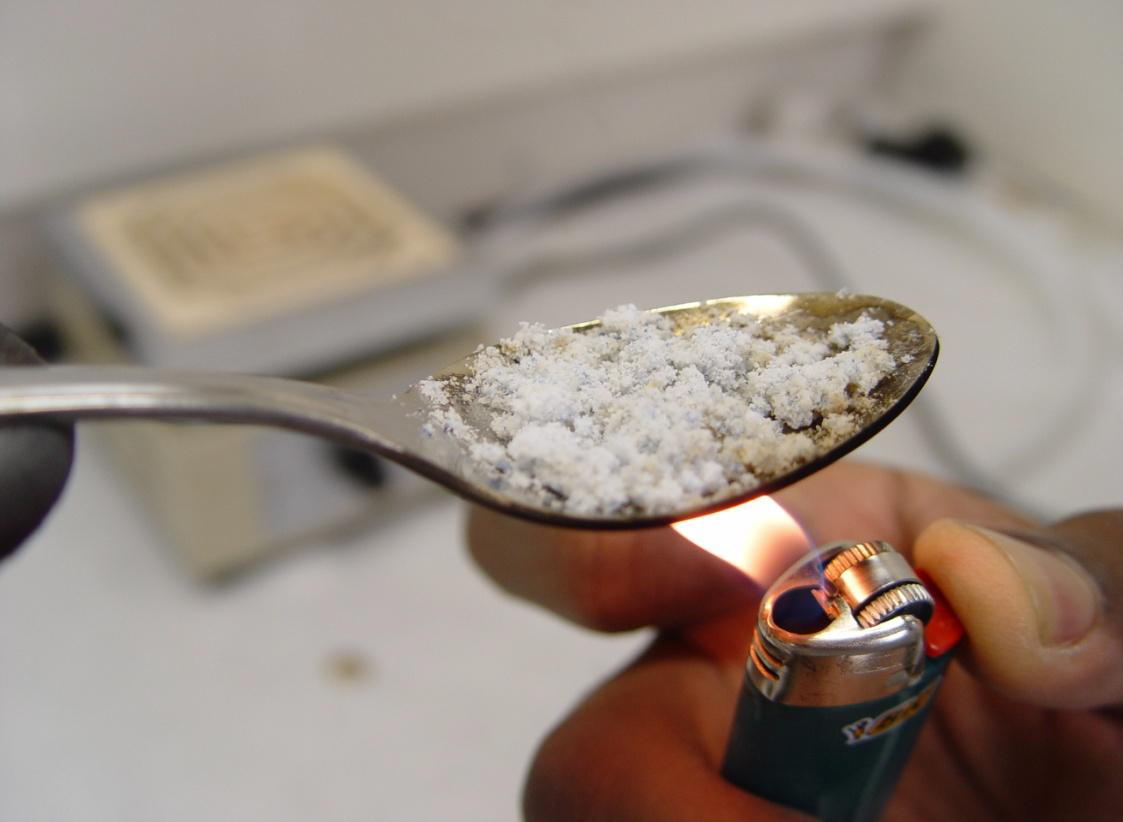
{"x": 601, "y": 595}
{"x": 562, "y": 781}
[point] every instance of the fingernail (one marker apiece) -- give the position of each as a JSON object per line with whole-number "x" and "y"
{"x": 1065, "y": 598}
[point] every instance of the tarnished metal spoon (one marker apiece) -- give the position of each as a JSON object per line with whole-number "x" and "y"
{"x": 393, "y": 428}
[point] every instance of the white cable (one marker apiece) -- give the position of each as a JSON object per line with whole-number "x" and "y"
{"x": 959, "y": 208}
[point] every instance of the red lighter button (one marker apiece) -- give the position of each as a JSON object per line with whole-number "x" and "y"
{"x": 944, "y": 630}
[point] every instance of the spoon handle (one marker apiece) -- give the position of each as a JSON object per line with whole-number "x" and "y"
{"x": 94, "y": 391}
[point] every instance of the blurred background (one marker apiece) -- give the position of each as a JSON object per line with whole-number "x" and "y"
{"x": 359, "y": 193}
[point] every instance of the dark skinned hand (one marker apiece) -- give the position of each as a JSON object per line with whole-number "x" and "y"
{"x": 1026, "y": 726}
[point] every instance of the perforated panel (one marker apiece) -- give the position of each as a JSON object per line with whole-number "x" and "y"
{"x": 261, "y": 237}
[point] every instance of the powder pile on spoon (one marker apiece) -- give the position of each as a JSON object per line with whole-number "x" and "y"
{"x": 630, "y": 417}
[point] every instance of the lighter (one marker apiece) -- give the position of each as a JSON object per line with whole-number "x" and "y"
{"x": 838, "y": 682}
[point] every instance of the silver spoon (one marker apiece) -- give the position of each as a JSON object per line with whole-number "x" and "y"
{"x": 393, "y": 429}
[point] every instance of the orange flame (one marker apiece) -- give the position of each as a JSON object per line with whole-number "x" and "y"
{"x": 758, "y": 537}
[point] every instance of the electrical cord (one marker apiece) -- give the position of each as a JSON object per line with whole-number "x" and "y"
{"x": 686, "y": 235}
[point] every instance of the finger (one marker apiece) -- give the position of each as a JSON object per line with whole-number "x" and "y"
{"x": 1041, "y": 608}
{"x": 607, "y": 580}
{"x": 858, "y": 501}
{"x": 646, "y": 746}
{"x": 624, "y": 580}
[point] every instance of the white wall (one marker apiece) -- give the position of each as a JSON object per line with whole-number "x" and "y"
{"x": 96, "y": 88}
{"x": 1039, "y": 80}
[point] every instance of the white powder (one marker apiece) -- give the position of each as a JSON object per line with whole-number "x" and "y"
{"x": 629, "y": 417}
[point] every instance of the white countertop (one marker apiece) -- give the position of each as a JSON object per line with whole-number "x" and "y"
{"x": 130, "y": 693}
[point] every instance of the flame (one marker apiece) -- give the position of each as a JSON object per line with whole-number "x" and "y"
{"x": 759, "y": 537}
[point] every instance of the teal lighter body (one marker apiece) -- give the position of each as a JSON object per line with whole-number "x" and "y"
{"x": 837, "y": 684}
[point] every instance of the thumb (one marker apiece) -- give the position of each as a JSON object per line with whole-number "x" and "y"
{"x": 1040, "y": 608}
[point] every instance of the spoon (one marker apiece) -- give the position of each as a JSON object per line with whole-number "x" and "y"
{"x": 393, "y": 428}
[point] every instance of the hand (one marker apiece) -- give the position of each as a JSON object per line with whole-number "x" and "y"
{"x": 35, "y": 460}
{"x": 1026, "y": 726}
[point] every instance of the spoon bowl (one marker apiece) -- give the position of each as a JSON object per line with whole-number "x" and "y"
{"x": 395, "y": 428}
